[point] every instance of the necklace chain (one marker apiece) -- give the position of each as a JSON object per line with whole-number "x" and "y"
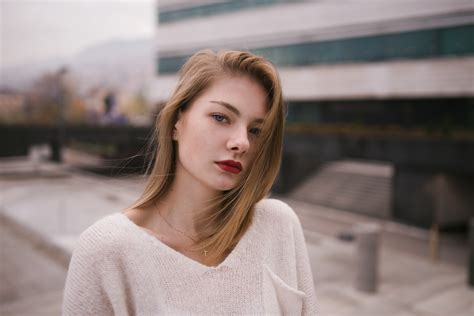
{"x": 181, "y": 232}
{"x": 175, "y": 229}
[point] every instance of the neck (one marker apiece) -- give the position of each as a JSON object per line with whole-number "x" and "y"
{"x": 185, "y": 201}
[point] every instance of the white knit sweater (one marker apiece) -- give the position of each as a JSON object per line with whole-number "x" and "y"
{"x": 118, "y": 268}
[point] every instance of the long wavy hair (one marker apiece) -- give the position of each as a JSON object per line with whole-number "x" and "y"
{"x": 229, "y": 216}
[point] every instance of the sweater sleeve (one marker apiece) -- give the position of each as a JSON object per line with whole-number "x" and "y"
{"x": 304, "y": 274}
{"x": 84, "y": 293}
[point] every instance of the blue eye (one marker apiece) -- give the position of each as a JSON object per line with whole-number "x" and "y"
{"x": 219, "y": 118}
{"x": 255, "y": 131}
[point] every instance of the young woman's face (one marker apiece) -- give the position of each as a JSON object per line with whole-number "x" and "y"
{"x": 218, "y": 132}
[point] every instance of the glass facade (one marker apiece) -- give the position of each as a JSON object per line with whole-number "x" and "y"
{"x": 439, "y": 42}
{"x": 440, "y": 113}
{"x": 212, "y": 9}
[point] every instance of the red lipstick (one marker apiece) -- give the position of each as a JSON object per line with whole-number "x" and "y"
{"x": 230, "y": 166}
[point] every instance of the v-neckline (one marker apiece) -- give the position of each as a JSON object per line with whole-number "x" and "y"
{"x": 227, "y": 262}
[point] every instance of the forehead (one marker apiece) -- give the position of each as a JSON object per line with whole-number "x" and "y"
{"x": 244, "y": 93}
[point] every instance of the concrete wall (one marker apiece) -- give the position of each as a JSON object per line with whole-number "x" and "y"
{"x": 424, "y": 197}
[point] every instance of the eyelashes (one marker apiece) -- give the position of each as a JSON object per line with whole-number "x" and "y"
{"x": 255, "y": 131}
{"x": 220, "y": 118}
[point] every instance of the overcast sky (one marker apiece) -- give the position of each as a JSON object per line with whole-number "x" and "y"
{"x": 35, "y": 30}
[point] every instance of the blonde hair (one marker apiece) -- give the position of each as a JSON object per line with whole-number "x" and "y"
{"x": 226, "y": 219}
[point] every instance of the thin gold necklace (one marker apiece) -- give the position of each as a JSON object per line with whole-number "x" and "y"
{"x": 181, "y": 232}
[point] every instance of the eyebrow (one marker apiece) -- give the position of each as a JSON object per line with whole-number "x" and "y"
{"x": 233, "y": 109}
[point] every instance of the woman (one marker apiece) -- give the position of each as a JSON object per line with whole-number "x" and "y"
{"x": 202, "y": 239}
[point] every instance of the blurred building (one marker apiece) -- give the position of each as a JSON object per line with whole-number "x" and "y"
{"x": 398, "y": 72}
{"x": 12, "y": 106}
{"x": 400, "y": 62}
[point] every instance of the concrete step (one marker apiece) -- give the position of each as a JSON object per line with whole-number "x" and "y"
{"x": 332, "y": 222}
{"x": 359, "y": 187}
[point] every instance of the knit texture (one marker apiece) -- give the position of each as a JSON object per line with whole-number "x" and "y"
{"x": 117, "y": 268}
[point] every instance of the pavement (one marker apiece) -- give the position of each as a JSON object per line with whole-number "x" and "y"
{"x": 410, "y": 282}
{"x": 44, "y": 207}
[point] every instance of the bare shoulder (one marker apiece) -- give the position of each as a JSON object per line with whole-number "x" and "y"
{"x": 147, "y": 220}
{"x": 139, "y": 216}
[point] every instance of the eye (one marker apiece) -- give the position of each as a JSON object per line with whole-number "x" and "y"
{"x": 255, "y": 131}
{"x": 219, "y": 118}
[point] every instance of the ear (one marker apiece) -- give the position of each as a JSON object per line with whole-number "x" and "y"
{"x": 177, "y": 126}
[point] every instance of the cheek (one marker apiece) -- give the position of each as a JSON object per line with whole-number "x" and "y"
{"x": 196, "y": 140}
{"x": 252, "y": 154}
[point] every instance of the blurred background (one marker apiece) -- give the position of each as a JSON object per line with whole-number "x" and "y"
{"x": 380, "y": 130}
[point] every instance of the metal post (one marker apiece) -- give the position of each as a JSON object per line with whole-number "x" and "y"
{"x": 367, "y": 237}
{"x": 57, "y": 142}
{"x": 434, "y": 242}
{"x": 471, "y": 253}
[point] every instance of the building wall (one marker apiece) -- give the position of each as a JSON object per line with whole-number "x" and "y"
{"x": 355, "y": 54}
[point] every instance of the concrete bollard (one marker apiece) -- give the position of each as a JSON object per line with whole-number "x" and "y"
{"x": 471, "y": 253}
{"x": 367, "y": 257}
{"x": 37, "y": 154}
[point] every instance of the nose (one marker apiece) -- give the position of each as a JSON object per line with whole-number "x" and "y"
{"x": 239, "y": 141}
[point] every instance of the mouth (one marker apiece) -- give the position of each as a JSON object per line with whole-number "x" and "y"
{"x": 231, "y": 166}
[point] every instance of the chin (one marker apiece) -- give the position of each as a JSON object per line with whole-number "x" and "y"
{"x": 224, "y": 185}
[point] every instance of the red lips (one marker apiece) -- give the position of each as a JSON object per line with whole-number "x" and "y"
{"x": 230, "y": 166}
